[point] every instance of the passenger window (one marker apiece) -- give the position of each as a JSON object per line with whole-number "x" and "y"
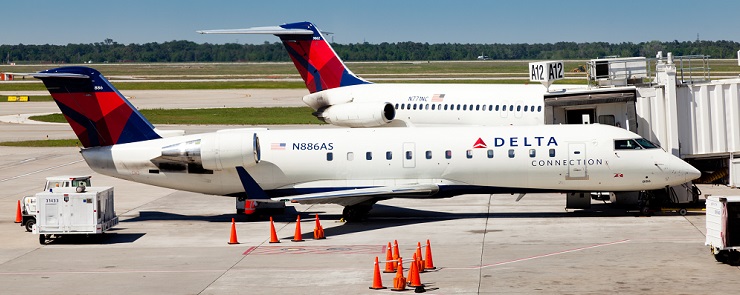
{"x": 369, "y": 156}
{"x": 408, "y": 106}
{"x": 503, "y": 108}
{"x": 552, "y": 153}
{"x": 429, "y": 154}
{"x": 465, "y": 107}
{"x": 409, "y": 155}
{"x": 388, "y": 155}
{"x": 414, "y": 106}
{"x": 497, "y": 108}
{"x": 511, "y": 108}
{"x": 511, "y": 153}
{"x": 490, "y": 154}
{"x": 350, "y": 156}
{"x": 532, "y": 153}
{"x": 518, "y": 108}
{"x": 445, "y": 107}
{"x": 490, "y": 108}
{"x": 426, "y": 107}
{"x": 539, "y": 109}
{"x": 396, "y": 106}
{"x": 526, "y": 108}
{"x": 469, "y": 154}
{"x": 477, "y": 107}
{"x": 448, "y": 154}
{"x": 433, "y": 107}
{"x": 458, "y": 107}
{"x": 471, "y": 107}
{"x": 329, "y": 156}
{"x": 403, "y": 106}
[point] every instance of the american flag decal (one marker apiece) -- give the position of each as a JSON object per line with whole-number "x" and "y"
{"x": 438, "y": 97}
{"x": 277, "y": 146}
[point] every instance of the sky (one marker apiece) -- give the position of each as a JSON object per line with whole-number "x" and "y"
{"x": 377, "y": 21}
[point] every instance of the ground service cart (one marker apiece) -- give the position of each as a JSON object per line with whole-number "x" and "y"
{"x": 723, "y": 228}
{"x": 74, "y": 210}
{"x": 28, "y": 204}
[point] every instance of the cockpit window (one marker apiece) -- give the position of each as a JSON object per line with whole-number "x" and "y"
{"x": 626, "y": 144}
{"x": 646, "y": 144}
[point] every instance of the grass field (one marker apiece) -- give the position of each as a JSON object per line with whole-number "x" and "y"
{"x": 219, "y": 116}
{"x": 43, "y": 143}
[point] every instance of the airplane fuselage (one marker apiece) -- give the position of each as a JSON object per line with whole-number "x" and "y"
{"x": 459, "y": 160}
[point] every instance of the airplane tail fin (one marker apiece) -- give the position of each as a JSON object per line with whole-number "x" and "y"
{"x": 319, "y": 66}
{"x": 97, "y": 112}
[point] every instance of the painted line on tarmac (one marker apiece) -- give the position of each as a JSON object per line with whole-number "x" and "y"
{"x": 39, "y": 171}
{"x": 537, "y": 256}
{"x": 108, "y": 272}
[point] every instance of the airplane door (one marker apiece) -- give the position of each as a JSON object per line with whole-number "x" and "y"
{"x": 409, "y": 160}
{"x": 577, "y": 161}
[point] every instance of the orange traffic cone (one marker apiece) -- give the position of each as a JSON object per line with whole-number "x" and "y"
{"x": 297, "y": 237}
{"x": 318, "y": 231}
{"x": 18, "y": 215}
{"x": 389, "y": 262}
{"x": 419, "y": 260}
{"x": 396, "y": 255}
{"x": 232, "y": 239}
{"x": 413, "y": 277}
{"x": 399, "y": 282}
{"x": 273, "y": 234}
{"x": 377, "y": 282}
{"x": 428, "y": 262}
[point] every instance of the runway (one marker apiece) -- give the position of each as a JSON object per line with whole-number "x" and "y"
{"x": 172, "y": 242}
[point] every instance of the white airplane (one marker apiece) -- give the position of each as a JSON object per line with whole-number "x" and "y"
{"x": 344, "y": 99}
{"x": 355, "y": 167}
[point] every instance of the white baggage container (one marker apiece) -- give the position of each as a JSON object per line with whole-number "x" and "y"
{"x": 80, "y": 210}
{"x": 723, "y": 228}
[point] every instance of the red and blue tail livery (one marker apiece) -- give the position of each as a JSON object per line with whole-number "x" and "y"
{"x": 319, "y": 66}
{"x": 97, "y": 112}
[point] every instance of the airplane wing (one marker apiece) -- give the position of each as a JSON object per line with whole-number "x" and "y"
{"x": 355, "y": 196}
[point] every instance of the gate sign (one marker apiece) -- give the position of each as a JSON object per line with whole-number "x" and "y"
{"x": 546, "y": 72}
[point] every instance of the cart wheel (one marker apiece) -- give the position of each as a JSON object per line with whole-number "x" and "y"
{"x": 42, "y": 239}
{"x": 682, "y": 211}
{"x": 645, "y": 211}
{"x": 29, "y": 224}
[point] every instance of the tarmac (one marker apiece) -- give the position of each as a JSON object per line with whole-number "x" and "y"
{"x": 173, "y": 242}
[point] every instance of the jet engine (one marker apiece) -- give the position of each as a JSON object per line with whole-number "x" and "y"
{"x": 216, "y": 151}
{"x": 358, "y": 114}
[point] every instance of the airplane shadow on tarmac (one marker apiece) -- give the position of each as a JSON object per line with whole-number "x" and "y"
{"x": 382, "y": 216}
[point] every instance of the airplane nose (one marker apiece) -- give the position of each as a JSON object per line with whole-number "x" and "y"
{"x": 691, "y": 172}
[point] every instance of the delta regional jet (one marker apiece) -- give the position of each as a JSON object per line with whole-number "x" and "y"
{"x": 340, "y": 97}
{"x": 355, "y": 167}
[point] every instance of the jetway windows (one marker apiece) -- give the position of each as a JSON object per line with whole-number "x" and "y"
{"x": 607, "y": 120}
{"x": 552, "y": 153}
{"x": 490, "y": 154}
{"x": 369, "y": 156}
{"x": 532, "y": 153}
{"x": 511, "y": 153}
{"x": 350, "y": 156}
{"x": 389, "y": 155}
{"x": 429, "y": 155}
{"x": 469, "y": 154}
{"x": 448, "y": 154}
{"x": 329, "y": 156}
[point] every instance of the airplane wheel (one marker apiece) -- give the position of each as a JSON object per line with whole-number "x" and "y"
{"x": 356, "y": 213}
{"x": 682, "y": 211}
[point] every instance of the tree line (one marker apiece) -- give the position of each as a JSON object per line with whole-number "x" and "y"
{"x": 187, "y": 51}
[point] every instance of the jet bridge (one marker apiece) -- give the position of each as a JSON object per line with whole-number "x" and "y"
{"x": 671, "y": 101}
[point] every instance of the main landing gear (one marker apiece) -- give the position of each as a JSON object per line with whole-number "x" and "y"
{"x": 357, "y": 212}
